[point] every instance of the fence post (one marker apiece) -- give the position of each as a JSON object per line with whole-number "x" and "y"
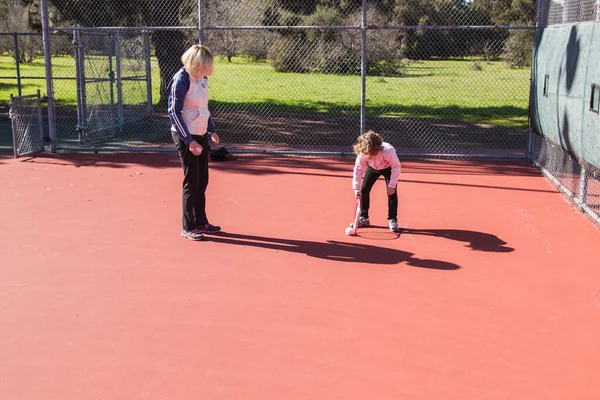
{"x": 49, "y": 80}
{"x": 583, "y": 184}
{"x": 18, "y": 63}
{"x": 119, "y": 83}
{"x": 13, "y": 117}
{"x": 201, "y": 21}
{"x": 147, "y": 52}
{"x": 40, "y": 121}
{"x": 111, "y": 49}
{"x": 538, "y": 13}
{"x": 80, "y": 85}
{"x": 363, "y": 68}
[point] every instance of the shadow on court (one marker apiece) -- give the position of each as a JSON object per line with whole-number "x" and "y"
{"x": 479, "y": 241}
{"x": 334, "y": 250}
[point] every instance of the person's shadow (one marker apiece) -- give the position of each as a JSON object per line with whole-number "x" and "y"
{"x": 478, "y": 241}
{"x": 334, "y": 250}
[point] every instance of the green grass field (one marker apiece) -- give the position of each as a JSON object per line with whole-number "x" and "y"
{"x": 439, "y": 90}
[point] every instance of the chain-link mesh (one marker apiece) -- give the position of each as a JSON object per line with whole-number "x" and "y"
{"x": 114, "y": 84}
{"x": 64, "y": 83}
{"x": 441, "y": 77}
{"x": 580, "y": 183}
{"x": 306, "y": 97}
{"x": 453, "y": 96}
{"x": 120, "y": 13}
{"x": 27, "y": 125}
{"x": 253, "y": 13}
{"x": 100, "y": 117}
{"x": 555, "y": 12}
{"x": 20, "y": 55}
{"x": 592, "y": 192}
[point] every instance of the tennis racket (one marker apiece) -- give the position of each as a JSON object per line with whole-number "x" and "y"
{"x": 352, "y": 230}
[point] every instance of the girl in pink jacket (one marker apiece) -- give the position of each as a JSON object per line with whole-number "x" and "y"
{"x": 374, "y": 159}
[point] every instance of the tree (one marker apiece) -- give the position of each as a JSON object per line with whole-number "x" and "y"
{"x": 517, "y": 48}
{"x": 508, "y": 12}
{"x": 15, "y": 16}
{"x": 303, "y": 7}
{"x": 4, "y": 4}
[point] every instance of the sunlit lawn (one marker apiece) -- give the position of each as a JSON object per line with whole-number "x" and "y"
{"x": 436, "y": 89}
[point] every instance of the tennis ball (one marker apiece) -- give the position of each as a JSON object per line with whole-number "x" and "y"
{"x": 349, "y": 231}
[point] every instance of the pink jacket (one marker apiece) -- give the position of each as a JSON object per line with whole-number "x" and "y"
{"x": 384, "y": 159}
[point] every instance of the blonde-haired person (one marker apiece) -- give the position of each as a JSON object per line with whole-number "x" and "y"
{"x": 192, "y": 129}
{"x": 375, "y": 158}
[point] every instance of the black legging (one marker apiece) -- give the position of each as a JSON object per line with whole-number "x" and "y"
{"x": 195, "y": 181}
{"x": 369, "y": 179}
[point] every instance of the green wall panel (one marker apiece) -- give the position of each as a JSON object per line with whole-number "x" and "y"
{"x": 570, "y": 57}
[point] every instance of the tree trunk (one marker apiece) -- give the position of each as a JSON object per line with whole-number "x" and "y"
{"x": 169, "y": 47}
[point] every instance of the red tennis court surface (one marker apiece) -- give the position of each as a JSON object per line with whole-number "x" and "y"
{"x": 491, "y": 292}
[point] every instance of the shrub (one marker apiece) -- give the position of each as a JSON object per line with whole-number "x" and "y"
{"x": 518, "y": 48}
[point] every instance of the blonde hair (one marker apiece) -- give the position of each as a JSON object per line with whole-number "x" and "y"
{"x": 369, "y": 143}
{"x": 198, "y": 61}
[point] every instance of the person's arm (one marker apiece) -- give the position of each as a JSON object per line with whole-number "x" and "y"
{"x": 211, "y": 125}
{"x": 212, "y": 135}
{"x": 178, "y": 88}
{"x": 359, "y": 168}
{"x": 395, "y": 164}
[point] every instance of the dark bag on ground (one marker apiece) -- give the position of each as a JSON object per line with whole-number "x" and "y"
{"x": 220, "y": 154}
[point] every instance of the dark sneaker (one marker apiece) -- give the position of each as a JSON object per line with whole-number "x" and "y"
{"x": 393, "y": 225}
{"x": 209, "y": 228}
{"x": 194, "y": 234}
{"x": 363, "y": 222}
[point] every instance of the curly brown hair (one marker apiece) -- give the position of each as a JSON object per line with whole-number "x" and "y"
{"x": 369, "y": 143}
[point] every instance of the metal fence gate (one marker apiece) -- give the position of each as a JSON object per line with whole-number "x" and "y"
{"x": 27, "y": 126}
{"x": 114, "y": 85}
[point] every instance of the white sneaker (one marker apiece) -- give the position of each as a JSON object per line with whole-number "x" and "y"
{"x": 393, "y": 225}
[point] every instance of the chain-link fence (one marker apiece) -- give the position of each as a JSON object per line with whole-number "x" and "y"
{"x": 22, "y": 61}
{"x": 577, "y": 180}
{"x": 19, "y": 50}
{"x": 436, "y": 78}
{"x": 22, "y": 71}
{"x": 556, "y": 12}
{"x": 439, "y": 78}
{"x": 27, "y": 126}
{"x": 114, "y": 85}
